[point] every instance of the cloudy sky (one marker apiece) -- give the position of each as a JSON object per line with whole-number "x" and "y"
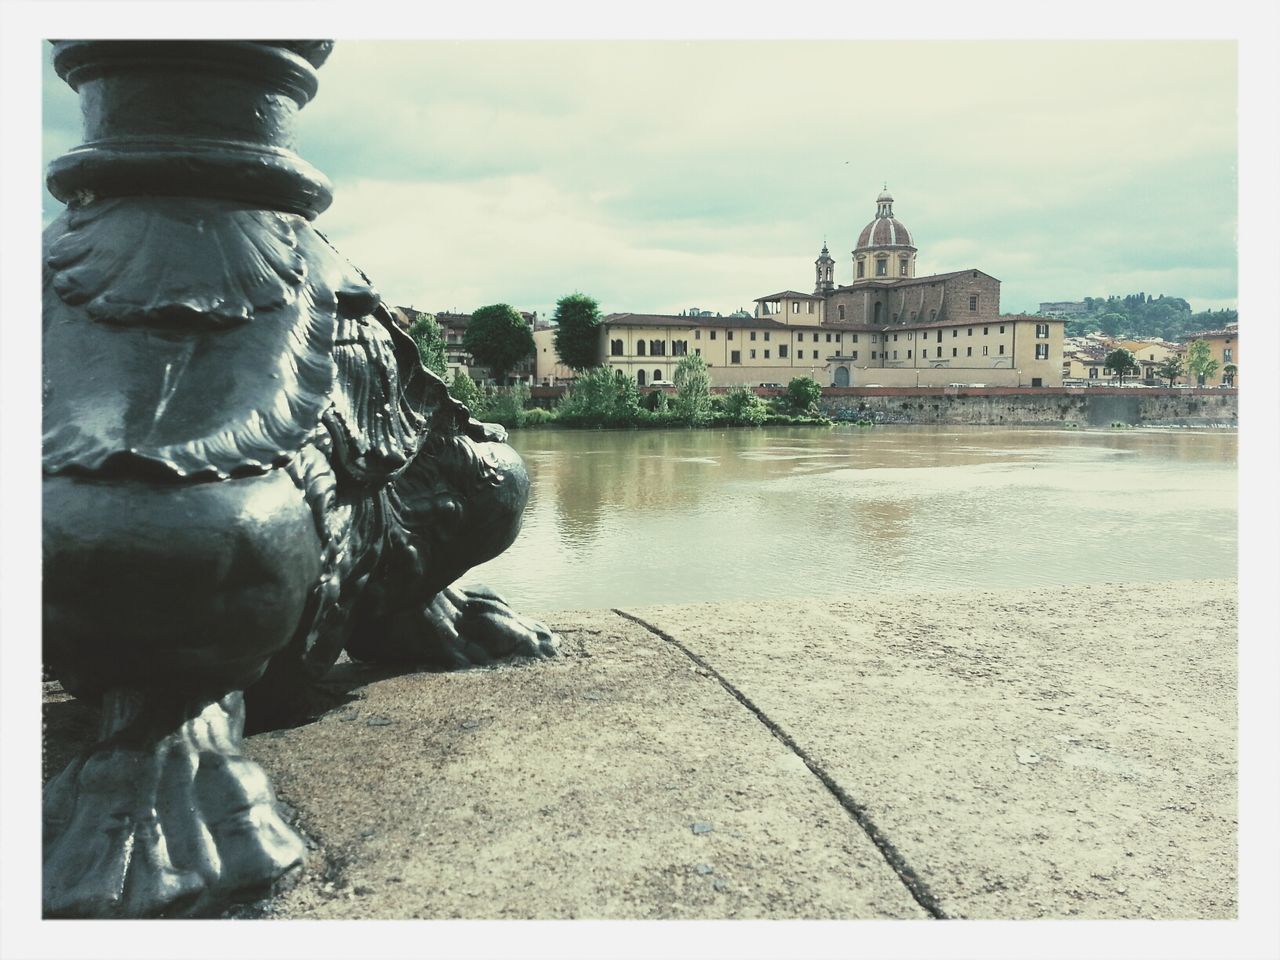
{"x": 662, "y": 175}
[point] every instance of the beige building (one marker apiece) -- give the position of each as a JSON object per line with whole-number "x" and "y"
{"x": 1224, "y": 346}
{"x": 888, "y": 327}
{"x": 1084, "y": 360}
{"x": 1016, "y": 350}
{"x": 547, "y": 366}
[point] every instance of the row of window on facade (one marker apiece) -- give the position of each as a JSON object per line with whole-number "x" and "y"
{"x": 773, "y": 307}
{"x": 654, "y": 348}
{"x": 680, "y": 348}
{"x": 735, "y": 356}
{"x": 882, "y": 266}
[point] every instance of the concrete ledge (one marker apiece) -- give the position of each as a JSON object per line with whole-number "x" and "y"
{"x": 1044, "y": 753}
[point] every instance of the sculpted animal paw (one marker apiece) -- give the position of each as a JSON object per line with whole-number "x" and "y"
{"x": 489, "y": 626}
{"x": 170, "y": 826}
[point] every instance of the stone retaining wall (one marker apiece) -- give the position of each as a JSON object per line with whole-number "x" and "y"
{"x": 1096, "y": 406}
{"x": 1085, "y": 406}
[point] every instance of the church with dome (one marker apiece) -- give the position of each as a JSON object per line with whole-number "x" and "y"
{"x": 887, "y": 327}
{"x": 884, "y": 287}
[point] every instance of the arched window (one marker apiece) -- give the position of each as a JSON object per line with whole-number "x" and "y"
{"x": 657, "y": 375}
{"x": 639, "y": 348}
{"x": 615, "y": 348}
{"x": 640, "y": 378}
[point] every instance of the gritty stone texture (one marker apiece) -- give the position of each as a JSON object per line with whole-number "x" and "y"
{"x": 1035, "y": 753}
{"x": 510, "y": 793}
{"x": 1032, "y": 753}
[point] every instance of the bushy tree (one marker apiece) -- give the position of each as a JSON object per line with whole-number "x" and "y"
{"x": 693, "y": 390}
{"x": 464, "y": 390}
{"x": 743, "y": 406}
{"x": 601, "y": 398}
{"x": 1200, "y": 362}
{"x": 505, "y": 405}
{"x": 1170, "y": 368}
{"x": 577, "y": 338}
{"x": 429, "y": 337}
{"x": 1112, "y": 323}
{"x": 1120, "y": 362}
{"x": 499, "y": 338}
{"x": 803, "y": 394}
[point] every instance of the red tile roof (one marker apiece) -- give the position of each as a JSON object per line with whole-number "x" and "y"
{"x": 789, "y": 295}
{"x": 666, "y": 320}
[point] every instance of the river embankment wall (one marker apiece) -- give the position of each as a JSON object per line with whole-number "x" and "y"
{"x": 1088, "y": 406}
{"x": 1083, "y": 406}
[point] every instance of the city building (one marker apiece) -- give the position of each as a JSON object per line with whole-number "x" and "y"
{"x": 1067, "y": 309}
{"x": 453, "y": 326}
{"x": 1224, "y": 346}
{"x": 886, "y": 327}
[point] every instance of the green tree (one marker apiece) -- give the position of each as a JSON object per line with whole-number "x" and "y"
{"x": 803, "y": 394}
{"x": 506, "y": 405}
{"x": 1200, "y": 362}
{"x": 1120, "y": 362}
{"x": 578, "y": 319}
{"x": 429, "y": 337}
{"x": 499, "y": 338}
{"x": 1170, "y": 368}
{"x": 1112, "y": 323}
{"x": 601, "y": 398}
{"x": 693, "y": 390}
{"x": 464, "y": 390}
{"x": 743, "y": 406}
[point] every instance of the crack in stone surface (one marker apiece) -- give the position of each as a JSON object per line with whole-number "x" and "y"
{"x": 914, "y": 883}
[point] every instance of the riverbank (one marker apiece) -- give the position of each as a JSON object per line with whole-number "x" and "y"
{"x": 998, "y": 754}
{"x": 994, "y": 406}
{"x": 958, "y": 405}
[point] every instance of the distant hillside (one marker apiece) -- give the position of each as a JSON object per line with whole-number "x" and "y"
{"x": 1141, "y": 315}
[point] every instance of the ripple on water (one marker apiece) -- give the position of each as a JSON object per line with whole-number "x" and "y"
{"x": 908, "y": 511}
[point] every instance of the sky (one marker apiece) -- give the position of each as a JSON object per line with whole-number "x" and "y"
{"x": 661, "y": 175}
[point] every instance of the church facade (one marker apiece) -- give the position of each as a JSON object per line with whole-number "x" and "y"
{"x": 886, "y": 327}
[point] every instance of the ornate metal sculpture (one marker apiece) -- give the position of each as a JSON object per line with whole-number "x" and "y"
{"x": 246, "y": 469}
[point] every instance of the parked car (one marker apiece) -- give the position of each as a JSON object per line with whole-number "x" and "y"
{"x": 661, "y": 383}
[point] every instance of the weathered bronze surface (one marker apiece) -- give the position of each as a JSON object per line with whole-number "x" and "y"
{"x": 246, "y": 470}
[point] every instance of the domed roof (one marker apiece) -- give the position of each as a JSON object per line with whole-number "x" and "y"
{"x": 885, "y": 230}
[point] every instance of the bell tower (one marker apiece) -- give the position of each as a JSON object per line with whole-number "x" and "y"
{"x": 824, "y": 268}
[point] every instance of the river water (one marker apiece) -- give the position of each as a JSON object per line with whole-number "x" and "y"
{"x": 627, "y": 518}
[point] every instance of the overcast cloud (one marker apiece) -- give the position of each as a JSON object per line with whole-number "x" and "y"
{"x": 657, "y": 176}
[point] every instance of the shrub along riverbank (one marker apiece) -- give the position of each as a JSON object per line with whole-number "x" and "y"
{"x": 605, "y": 398}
